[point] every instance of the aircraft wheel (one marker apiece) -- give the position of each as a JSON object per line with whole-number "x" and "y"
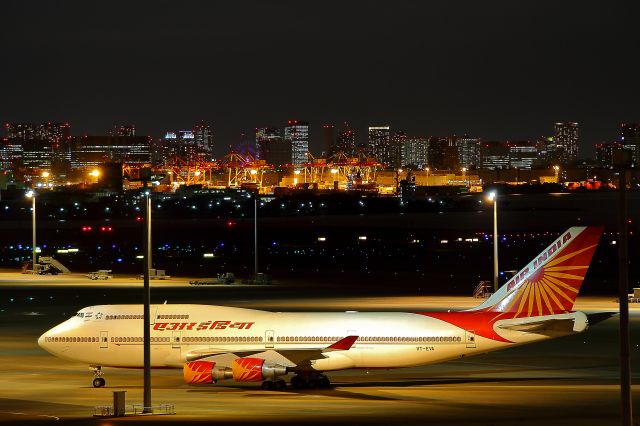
{"x": 324, "y": 382}
{"x": 98, "y": 382}
{"x": 280, "y": 385}
{"x": 298, "y": 382}
{"x": 268, "y": 385}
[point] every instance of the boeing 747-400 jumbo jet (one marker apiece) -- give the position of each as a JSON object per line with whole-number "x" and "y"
{"x": 212, "y": 343}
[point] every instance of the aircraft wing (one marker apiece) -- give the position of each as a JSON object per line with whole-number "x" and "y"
{"x": 296, "y": 356}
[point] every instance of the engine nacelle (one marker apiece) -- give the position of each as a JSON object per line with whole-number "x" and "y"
{"x": 204, "y": 372}
{"x": 255, "y": 370}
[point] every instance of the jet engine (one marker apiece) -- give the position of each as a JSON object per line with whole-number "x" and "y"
{"x": 204, "y": 372}
{"x": 255, "y": 370}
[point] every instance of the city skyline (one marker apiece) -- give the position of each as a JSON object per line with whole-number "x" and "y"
{"x": 499, "y": 71}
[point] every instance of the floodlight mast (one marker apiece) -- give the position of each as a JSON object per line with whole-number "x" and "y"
{"x": 145, "y": 177}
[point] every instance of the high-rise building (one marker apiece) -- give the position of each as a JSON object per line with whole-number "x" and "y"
{"x": 630, "y": 139}
{"x": 296, "y": 133}
{"x": 175, "y": 146}
{"x": 566, "y": 138}
{"x": 494, "y": 155}
{"x": 522, "y": 154}
{"x": 606, "y": 153}
{"x": 396, "y": 149}
{"x": 443, "y": 153}
{"x": 203, "y": 138}
{"x": 380, "y": 145}
{"x": 42, "y": 146}
{"x": 272, "y": 147}
{"x": 346, "y": 141}
{"x": 89, "y": 151}
{"x": 10, "y": 155}
{"x": 549, "y": 153}
{"x": 468, "y": 152}
{"x": 415, "y": 152}
{"x": 328, "y": 139}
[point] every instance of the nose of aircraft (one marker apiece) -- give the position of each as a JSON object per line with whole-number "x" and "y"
{"x": 42, "y": 341}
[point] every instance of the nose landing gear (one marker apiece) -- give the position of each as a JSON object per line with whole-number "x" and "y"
{"x": 98, "y": 380}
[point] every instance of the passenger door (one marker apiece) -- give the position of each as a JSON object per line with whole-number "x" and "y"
{"x": 104, "y": 339}
{"x": 269, "y": 339}
{"x": 470, "y": 338}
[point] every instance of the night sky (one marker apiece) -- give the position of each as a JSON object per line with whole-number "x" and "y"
{"x": 498, "y": 70}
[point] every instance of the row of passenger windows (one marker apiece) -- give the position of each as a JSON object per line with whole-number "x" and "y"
{"x": 172, "y": 316}
{"x": 124, "y": 317}
{"x": 71, "y": 339}
{"x": 138, "y": 339}
{"x": 256, "y": 339}
{"x": 389, "y": 339}
{"x": 209, "y": 339}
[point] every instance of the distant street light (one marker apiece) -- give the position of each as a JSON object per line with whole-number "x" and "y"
{"x": 31, "y": 194}
{"x": 46, "y": 175}
{"x": 556, "y": 170}
{"x": 427, "y": 169}
{"x": 493, "y": 196}
{"x": 464, "y": 172}
{"x": 334, "y": 172}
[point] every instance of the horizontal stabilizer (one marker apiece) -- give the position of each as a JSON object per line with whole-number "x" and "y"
{"x": 540, "y": 327}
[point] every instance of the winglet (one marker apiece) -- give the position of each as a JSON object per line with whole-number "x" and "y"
{"x": 342, "y": 345}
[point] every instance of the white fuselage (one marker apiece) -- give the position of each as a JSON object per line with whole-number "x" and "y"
{"x": 112, "y": 335}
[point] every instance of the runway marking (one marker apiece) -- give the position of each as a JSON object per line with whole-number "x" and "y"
{"x": 25, "y": 414}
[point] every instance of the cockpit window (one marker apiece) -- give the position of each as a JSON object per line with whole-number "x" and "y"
{"x": 80, "y": 314}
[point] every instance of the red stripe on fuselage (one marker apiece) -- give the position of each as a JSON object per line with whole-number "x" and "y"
{"x": 481, "y": 323}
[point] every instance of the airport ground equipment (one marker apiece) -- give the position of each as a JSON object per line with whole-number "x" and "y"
{"x": 101, "y": 274}
{"x": 156, "y": 274}
{"x": 46, "y": 265}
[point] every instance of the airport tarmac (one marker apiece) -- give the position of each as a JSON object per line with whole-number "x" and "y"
{"x": 573, "y": 380}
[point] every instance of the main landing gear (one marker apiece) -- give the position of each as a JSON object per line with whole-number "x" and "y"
{"x": 310, "y": 381}
{"x": 277, "y": 385}
{"x": 98, "y": 380}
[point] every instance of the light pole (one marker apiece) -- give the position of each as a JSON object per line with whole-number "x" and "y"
{"x": 556, "y": 170}
{"x": 427, "y": 169}
{"x": 464, "y": 172}
{"x": 31, "y": 194}
{"x": 493, "y": 196}
{"x": 254, "y": 173}
{"x": 145, "y": 177}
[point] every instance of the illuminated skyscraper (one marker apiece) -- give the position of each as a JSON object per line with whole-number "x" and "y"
{"x": 566, "y": 138}
{"x": 380, "y": 144}
{"x": 468, "y": 152}
{"x": 396, "y": 148}
{"x": 606, "y": 153}
{"x": 494, "y": 155}
{"x": 88, "y": 151}
{"x": 296, "y": 133}
{"x": 346, "y": 141}
{"x": 272, "y": 147}
{"x": 203, "y": 138}
{"x": 630, "y": 139}
{"x": 175, "y": 145}
{"x": 522, "y": 154}
{"x": 415, "y": 152}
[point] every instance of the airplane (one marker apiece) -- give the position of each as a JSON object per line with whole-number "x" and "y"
{"x": 212, "y": 343}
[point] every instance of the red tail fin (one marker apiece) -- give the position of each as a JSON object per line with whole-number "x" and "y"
{"x": 551, "y": 282}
